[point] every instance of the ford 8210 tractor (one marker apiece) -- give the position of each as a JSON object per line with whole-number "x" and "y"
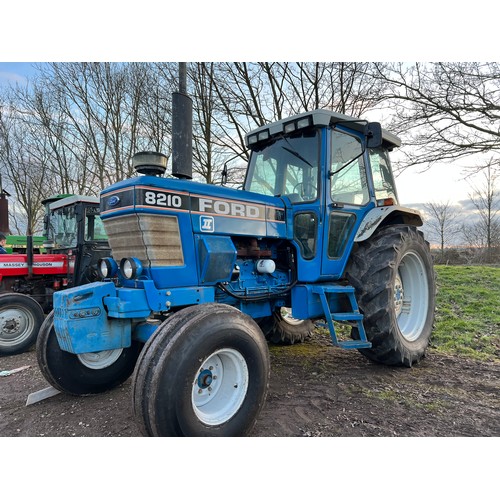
{"x": 201, "y": 275}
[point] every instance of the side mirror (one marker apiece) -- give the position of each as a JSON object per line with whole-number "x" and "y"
{"x": 373, "y": 133}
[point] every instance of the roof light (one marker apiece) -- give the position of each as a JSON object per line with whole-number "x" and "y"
{"x": 252, "y": 139}
{"x": 304, "y": 122}
{"x": 289, "y": 127}
{"x": 263, "y": 135}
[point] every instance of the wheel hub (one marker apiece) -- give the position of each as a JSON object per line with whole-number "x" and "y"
{"x": 398, "y": 295}
{"x": 10, "y": 326}
{"x": 205, "y": 379}
{"x": 220, "y": 386}
{"x": 15, "y": 326}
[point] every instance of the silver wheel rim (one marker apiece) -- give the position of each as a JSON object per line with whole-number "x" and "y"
{"x": 219, "y": 387}
{"x": 411, "y": 296}
{"x": 16, "y": 325}
{"x": 99, "y": 360}
{"x": 286, "y": 314}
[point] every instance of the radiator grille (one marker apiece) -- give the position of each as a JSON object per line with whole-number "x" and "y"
{"x": 153, "y": 239}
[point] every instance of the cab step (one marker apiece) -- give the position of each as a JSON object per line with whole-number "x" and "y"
{"x": 350, "y": 316}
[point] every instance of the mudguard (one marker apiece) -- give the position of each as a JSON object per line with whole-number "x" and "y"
{"x": 394, "y": 214}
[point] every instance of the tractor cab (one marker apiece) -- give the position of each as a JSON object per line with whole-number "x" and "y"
{"x": 331, "y": 170}
{"x": 73, "y": 226}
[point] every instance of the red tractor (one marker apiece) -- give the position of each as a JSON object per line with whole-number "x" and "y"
{"x": 75, "y": 241}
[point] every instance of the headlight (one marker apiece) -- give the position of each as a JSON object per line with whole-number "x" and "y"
{"x": 130, "y": 268}
{"x": 107, "y": 267}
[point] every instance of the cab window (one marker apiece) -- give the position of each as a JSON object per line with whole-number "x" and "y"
{"x": 348, "y": 175}
{"x": 383, "y": 180}
{"x": 287, "y": 166}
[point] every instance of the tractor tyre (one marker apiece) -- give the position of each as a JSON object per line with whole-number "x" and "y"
{"x": 205, "y": 373}
{"x": 21, "y": 317}
{"x": 394, "y": 279}
{"x": 82, "y": 374}
{"x": 146, "y": 365}
{"x": 282, "y": 328}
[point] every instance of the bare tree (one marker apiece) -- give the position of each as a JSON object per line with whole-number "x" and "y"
{"x": 486, "y": 199}
{"x": 23, "y": 164}
{"x": 346, "y": 87}
{"x": 250, "y": 95}
{"x": 445, "y": 111}
{"x": 156, "y": 108}
{"x": 442, "y": 221}
{"x": 85, "y": 120}
{"x": 101, "y": 105}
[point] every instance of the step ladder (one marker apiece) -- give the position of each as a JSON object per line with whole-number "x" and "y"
{"x": 353, "y": 315}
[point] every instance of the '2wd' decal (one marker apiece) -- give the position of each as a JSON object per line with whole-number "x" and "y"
{"x": 207, "y": 224}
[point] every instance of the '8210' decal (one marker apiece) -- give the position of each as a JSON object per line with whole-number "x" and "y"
{"x": 162, "y": 199}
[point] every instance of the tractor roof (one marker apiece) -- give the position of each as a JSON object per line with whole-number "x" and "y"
{"x": 317, "y": 117}
{"x": 71, "y": 200}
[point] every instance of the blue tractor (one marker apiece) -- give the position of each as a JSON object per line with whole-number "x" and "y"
{"x": 203, "y": 276}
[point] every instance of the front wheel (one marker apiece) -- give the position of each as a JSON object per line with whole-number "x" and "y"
{"x": 81, "y": 374}
{"x": 205, "y": 374}
{"x": 393, "y": 276}
{"x": 20, "y": 320}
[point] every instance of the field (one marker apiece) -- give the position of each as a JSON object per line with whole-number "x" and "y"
{"x": 319, "y": 390}
{"x": 468, "y": 311}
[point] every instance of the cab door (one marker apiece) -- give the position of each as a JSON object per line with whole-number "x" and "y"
{"x": 347, "y": 199}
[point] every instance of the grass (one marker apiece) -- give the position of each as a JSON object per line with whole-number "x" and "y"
{"x": 467, "y": 311}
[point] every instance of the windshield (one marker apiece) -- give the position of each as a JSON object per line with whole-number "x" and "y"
{"x": 63, "y": 226}
{"x": 287, "y": 166}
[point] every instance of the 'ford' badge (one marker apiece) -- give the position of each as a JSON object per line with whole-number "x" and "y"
{"x": 113, "y": 201}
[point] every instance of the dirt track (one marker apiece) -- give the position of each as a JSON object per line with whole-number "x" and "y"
{"x": 315, "y": 390}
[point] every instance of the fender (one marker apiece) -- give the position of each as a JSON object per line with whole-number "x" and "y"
{"x": 394, "y": 214}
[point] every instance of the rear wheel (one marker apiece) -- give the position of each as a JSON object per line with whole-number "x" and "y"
{"x": 395, "y": 287}
{"x": 283, "y": 328}
{"x": 80, "y": 374}
{"x": 204, "y": 373}
{"x": 20, "y": 320}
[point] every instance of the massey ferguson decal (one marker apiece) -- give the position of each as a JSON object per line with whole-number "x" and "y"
{"x": 21, "y": 265}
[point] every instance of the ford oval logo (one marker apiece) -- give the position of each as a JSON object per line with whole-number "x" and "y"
{"x": 113, "y": 201}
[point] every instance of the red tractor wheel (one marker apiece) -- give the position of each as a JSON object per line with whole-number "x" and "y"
{"x": 20, "y": 320}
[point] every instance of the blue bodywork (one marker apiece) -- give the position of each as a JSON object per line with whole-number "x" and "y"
{"x": 223, "y": 233}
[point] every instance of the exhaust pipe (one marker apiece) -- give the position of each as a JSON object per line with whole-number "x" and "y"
{"x": 4, "y": 210}
{"x": 182, "y": 129}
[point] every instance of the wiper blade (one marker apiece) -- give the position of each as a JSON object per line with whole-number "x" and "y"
{"x": 298, "y": 155}
{"x": 331, "y": 174}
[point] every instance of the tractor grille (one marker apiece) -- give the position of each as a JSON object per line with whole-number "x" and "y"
{"x": 153, "y": 239}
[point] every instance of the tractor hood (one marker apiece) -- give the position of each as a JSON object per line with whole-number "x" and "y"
{"x": 210, "y": 208}
{"x": 167, "y": 224}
